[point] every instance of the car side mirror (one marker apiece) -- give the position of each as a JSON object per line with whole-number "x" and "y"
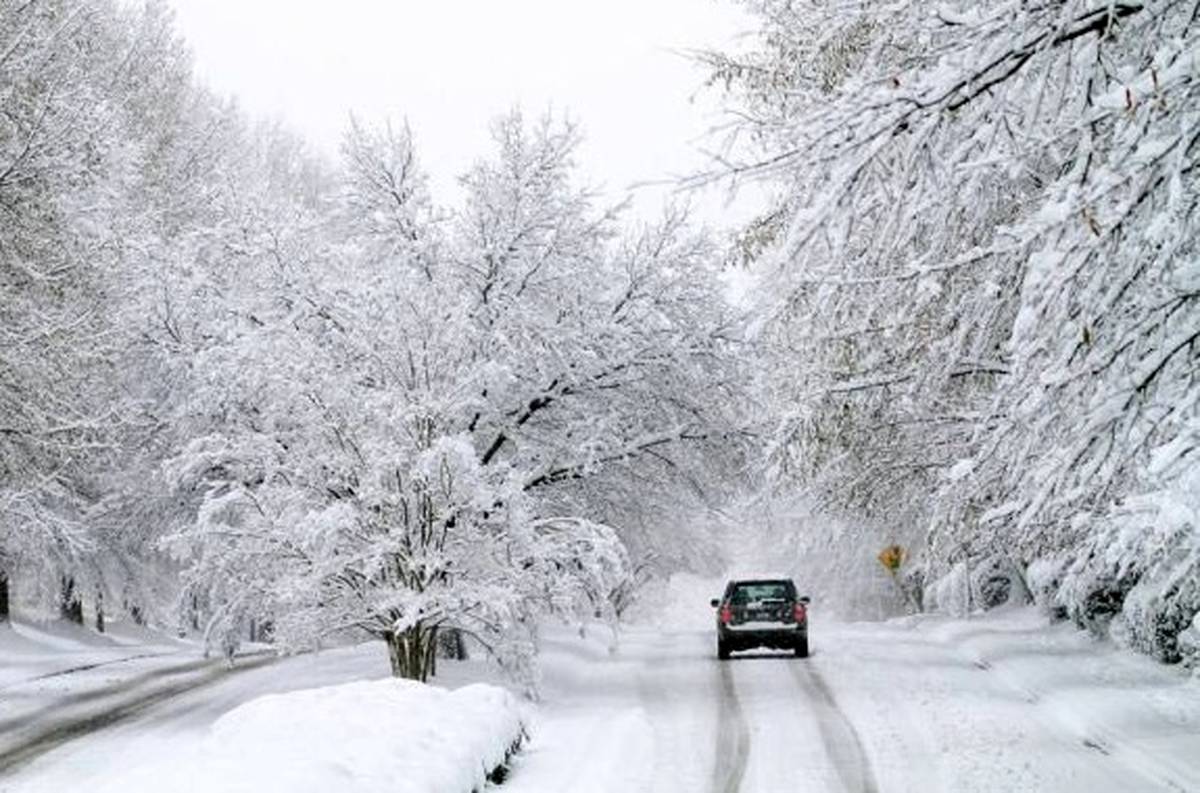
{"x": 714, "y": 602}
{"x": 805, "y": 599}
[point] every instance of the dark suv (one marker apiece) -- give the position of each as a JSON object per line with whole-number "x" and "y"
{"x": 761, "y": 612}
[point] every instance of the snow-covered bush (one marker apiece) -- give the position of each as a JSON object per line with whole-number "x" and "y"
{"x": 385, "y": 736}
{"x": 1189, "y": 643}
{"x": 966, "y": 587}
{"x": 996, "y": 582}
{"x": 1155, "y": 539}
{"x": 951, "y": 593}
{"x": 1158, "y": 609}
{"x": 1155, "y": 592}
{"x": 1092, "y": 593}
{"x": 1044, "y": 576}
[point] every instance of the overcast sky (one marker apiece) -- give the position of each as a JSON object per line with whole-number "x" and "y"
{"x": 449, "y": 66}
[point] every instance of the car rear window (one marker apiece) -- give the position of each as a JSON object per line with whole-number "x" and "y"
{"x": 756, "y": 591}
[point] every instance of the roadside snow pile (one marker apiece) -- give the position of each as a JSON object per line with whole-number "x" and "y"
{"x": 382, "y": 736}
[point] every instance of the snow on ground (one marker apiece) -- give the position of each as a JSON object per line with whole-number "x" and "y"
{"x": 159, "y": 741}
{"x": 381, "y": 736}
{"x": 63, "y": 680}
{"x": 1007, "y": 702}
{"x": 1000, "y": 702}
{"x": 32, "y": 651}
{"x": 615, "y": 722}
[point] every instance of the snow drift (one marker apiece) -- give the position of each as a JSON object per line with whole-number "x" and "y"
{"x": 382, "y": 736}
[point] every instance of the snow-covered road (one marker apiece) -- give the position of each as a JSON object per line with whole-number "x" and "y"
{"x": 83, "y": 710}
{"x": 1003, "y": 702}
{"x": 130, "y": 733}
{"x": 666, "y": 715}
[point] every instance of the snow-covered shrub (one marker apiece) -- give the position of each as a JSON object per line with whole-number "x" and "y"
{"x": 1189, "y": 643}
{"x": 1161, "y": 532}
{"x": 1143, "y": 564}
{"x": 1157, "y": 610}
{"x": 1092, "y": 594}
{"x": 995, "y": 582}
{"x": 381, "y": 736}
{"x": 951, "y": 594}
{"x": 1044, "y": 576}
{"x": 965, "y": 588}
{"x": 912, "y": 583}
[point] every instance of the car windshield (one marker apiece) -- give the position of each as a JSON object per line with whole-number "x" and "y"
{"x": 758, "y": 591}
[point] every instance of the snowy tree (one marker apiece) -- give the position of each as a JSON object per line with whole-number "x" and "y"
{"x": 334, "y": 405}
{"x": 403, "y": 450}
{"x": 981, "y": 267}
{"x": 132, "y": 197}
{"x": 63, "y": 73}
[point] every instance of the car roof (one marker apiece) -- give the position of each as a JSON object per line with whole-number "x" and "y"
{"x": 759, "y": 575}
{"x": 781, "y": 579}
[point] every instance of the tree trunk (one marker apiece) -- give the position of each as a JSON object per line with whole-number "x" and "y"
{"x": 70, "y": 606}
{"x": 4, "y": 609}
{"x": 100, "y": 611}
{"x": 409, "y": 652}
{"x": 431, "y": 646}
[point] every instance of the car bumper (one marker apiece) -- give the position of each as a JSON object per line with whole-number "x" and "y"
{"x": 782, "y": 636}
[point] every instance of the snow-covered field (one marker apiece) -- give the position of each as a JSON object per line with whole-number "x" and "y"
{"x": 1001, "y": 702}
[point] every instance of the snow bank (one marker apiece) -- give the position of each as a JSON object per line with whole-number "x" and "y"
{"x": 1009, "y": 702}
{"x": 382, "y": 736}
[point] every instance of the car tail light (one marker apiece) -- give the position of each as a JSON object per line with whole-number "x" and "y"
{"x": 800, "y": 613}
{"x": 726, "y": 614}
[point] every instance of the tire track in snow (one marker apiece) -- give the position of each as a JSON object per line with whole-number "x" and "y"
{"x": 51, "y": 737}
{"x": 128, "y": 686}
{"x": 842, "y": 742}
{"x": 86, "y": 668}
{"x": 733, "y": 737}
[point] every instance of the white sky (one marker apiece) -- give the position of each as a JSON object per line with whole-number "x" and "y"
{"x": 449, "y": 66}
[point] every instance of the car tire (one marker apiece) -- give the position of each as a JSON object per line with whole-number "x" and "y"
{"x": 802, "y": 647}
{"x": 722, "y": 650}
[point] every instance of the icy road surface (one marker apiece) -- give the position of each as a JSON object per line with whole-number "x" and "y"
{"x": 998, "y": 703}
